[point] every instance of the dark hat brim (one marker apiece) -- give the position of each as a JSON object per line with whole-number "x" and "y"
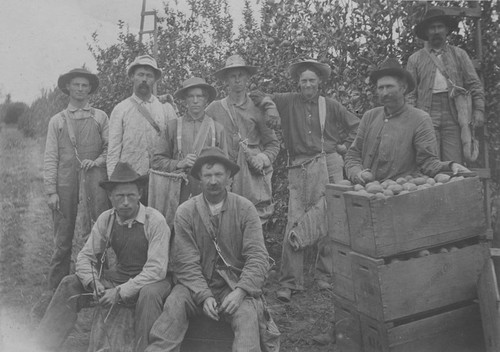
{"x": 195, "y": 170}
{"x": 67, "y": 77}
{"x": 222, "y": 72}
{"x": 212, "y": 92}
{"x": 421, "y": 27}
{"x": 394, "y": 72}
{"x": 324, "y": 69}
{"x": 140, "y": 181}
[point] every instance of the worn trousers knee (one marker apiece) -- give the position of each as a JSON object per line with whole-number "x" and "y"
{"x": 245, "y": 325}
{"x": 148, "y": 308}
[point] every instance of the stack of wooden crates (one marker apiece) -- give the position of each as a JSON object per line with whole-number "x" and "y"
{"x": 406, "y": 268}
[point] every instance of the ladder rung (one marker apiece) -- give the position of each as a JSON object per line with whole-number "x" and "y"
{"x": 147, "y": 13}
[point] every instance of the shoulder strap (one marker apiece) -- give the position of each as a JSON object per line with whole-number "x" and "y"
{"x": 179, "y": 137}
{"x": 205, "y": 217}
{"x": 71, "y": 130}
{"x": 212, "y": 127}
{"x": 438, "y": 64}
{"x": 322, "y": 118}
{"x": 201, "y": 136}
{"x": 146, "y": 114}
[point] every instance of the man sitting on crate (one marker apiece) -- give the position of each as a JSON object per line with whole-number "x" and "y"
{"x": 185, "y": 137}
{"x": 395, "y": 139}
{"x": 139, "y": 237}
{"x": 220, "y": 260}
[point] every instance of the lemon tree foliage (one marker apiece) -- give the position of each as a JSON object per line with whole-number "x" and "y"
{"x": 352, "y": 36}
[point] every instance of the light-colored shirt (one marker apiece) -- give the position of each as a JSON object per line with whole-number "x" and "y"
{"x": 157, "y": 234}
{"x": 91, "y": 134}
{"x": 131, "y": 137}
{"x": 394, "y": 145}
{"x": 440, "y": 84}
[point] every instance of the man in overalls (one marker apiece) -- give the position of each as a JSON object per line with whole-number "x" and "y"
{"x": 77, "y": 141}
{"x": 184, "y": 138}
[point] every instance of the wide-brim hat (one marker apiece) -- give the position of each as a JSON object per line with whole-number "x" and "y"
{"x": 123, "y": 173}
{"x": 235, "y": 61}
{"x": 78, "y": 72}
{"x": 195, "y": 82}
{"x": 213, "y": 155}
{"x": 144, "y": 60}
{"x": 392, "y": 67}
{"x": 324, "y": 69}
{"x": 434, "y": 14}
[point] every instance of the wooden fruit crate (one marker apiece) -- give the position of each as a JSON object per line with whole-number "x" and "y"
{"x": 420, "y": 219}
{"x": 489, "y": 301}
{"x": 342, "y": 272}
{"x": 336, "y": 214}
{"x": 347, "y": 326}
{"x": 207, "y": 335}
{"x": 456, "y": 330}
{"x": 401, "y": 289}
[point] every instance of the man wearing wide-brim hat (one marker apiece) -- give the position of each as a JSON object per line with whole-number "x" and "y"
{"x": 75, "y": 155}
{"x": 250, "y": 143}
{"x": 396, "y": 139}
{"x": 184, "y": 138}
{"x": 139, "y": 237}
{"x": 442, "y": 72}
{"x": 316, "y": 130}
{"x": 219, "y": 258}
{"x": 137, "y": 122}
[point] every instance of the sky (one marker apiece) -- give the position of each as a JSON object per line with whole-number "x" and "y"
{"x": 42, "y": 39}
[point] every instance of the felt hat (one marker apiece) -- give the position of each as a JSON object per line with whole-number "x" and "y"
{"x": 123, "y": 173}
{"x": 144, "y": 60}
{"x": 78, "y": 72}
{"x": 435, "y": 14}
{"x": 213, "y": 155}
{"x": 235, "y": 61}
{"x": 324, "y": 69}
{"x": 391, "y": 67}
{"x": 195, "y": 82}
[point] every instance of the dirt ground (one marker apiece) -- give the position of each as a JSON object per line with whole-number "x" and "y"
{"x": 25, "y": 249}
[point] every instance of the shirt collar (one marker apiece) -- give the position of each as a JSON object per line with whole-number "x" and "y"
{"x": 139, "y": 100}
{"x": 188, "y": 117}
{"x": 443, "y": 49}
{"x": 243, "y": 104}
{"x": 397, "y": 113}
{"x": 224, "y": 205}
{"x": 72, "y": 108}
{"x": 140, "y": 217}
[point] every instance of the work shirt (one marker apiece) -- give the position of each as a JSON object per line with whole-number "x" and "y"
{"x": 301, "y": 125}
{"x": 250, "y": 123}
{"x": 167, "y": 154}
{"x": 394, "y": 145}
{"x": 459, "y": 68}
{"x": 131, "y": 137}
{"x": 157, "y": 233}
{"x": 239, "y": 237}
{"x": 91, "y": 133}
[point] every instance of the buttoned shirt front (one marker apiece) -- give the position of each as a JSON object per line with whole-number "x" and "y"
{"x": 131, "y": 137}
{"x": 394, "y": 145}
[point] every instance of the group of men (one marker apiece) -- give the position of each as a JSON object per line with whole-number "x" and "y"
{"x": 218, "y": 260}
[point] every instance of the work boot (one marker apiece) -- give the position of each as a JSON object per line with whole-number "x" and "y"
{"x": 324, "y": 285}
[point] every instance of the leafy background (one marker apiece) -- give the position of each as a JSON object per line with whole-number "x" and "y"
{"x": 352, "y": 36}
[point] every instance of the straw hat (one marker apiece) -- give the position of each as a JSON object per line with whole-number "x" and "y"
{"x": 144, "y": 60}
{"x": 324, "y": 69}
{"x": 235, "y": 61}
{"x": 195, "y": 82}
{"x": 78, "y": 72}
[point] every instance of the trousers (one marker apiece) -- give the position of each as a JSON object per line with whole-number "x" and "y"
{"x": 169, "y": 330}
{"x": 292, "y": 261}
{"x": 447, "y": 129}
{"x": 61, "y": 315}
